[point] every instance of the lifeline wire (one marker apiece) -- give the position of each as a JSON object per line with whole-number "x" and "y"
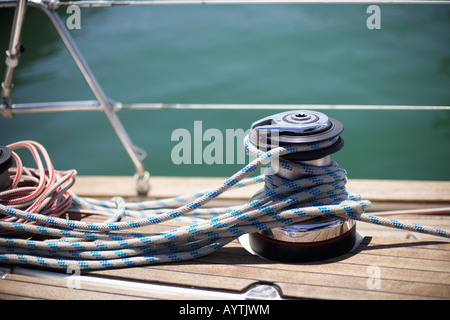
{"x": 37, "y": 198}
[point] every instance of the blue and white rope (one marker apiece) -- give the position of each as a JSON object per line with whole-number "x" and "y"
{"x": 91, "y": 245}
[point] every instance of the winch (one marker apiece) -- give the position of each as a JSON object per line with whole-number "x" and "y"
{"x": 317, "y": 238}
{"x": 303, "y": 214}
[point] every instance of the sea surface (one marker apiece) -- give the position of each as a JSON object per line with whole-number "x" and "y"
{"x": 239, "y": 54}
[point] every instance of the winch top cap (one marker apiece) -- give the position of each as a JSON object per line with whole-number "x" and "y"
{"x": 294, "y": 127}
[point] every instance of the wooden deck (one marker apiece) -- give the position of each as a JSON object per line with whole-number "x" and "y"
{"x": 388, "y": 264}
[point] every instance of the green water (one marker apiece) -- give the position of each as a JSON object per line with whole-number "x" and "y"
{"x": 268, "y": 54}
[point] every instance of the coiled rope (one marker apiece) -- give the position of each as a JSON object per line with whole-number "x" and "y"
{"x": 34, "y": 205}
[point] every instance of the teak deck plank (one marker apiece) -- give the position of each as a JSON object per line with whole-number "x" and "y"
{"x": 401, "y": 277}
{"x": 161, "y": 187}
{"x": 409, "y": 265}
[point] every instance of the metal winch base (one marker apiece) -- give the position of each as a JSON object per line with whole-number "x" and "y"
{"x": 312, "y": 241}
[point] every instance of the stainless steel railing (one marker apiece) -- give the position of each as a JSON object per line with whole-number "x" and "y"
{"x": 103, "y": 103}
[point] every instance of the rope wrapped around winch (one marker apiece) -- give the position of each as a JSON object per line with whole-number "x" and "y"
{"x": 33, "y": 231}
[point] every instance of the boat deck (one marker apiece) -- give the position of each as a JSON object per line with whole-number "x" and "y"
{"x": 388, "y": 263}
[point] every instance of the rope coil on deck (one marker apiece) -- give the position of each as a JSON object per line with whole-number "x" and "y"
{"x": 38, "y": 200}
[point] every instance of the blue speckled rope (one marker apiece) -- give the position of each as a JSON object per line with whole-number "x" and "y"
{"x": 90, "y": 245}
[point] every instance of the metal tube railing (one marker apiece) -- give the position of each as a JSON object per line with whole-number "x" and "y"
{"x": 107, "y": 3}
{"x": 157, "y": 106}
{"x": 92, "y": 105}
{"x": 64, "y": 106}
{"x": 104, "y": 104}
{"x": 12, "y": 55}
